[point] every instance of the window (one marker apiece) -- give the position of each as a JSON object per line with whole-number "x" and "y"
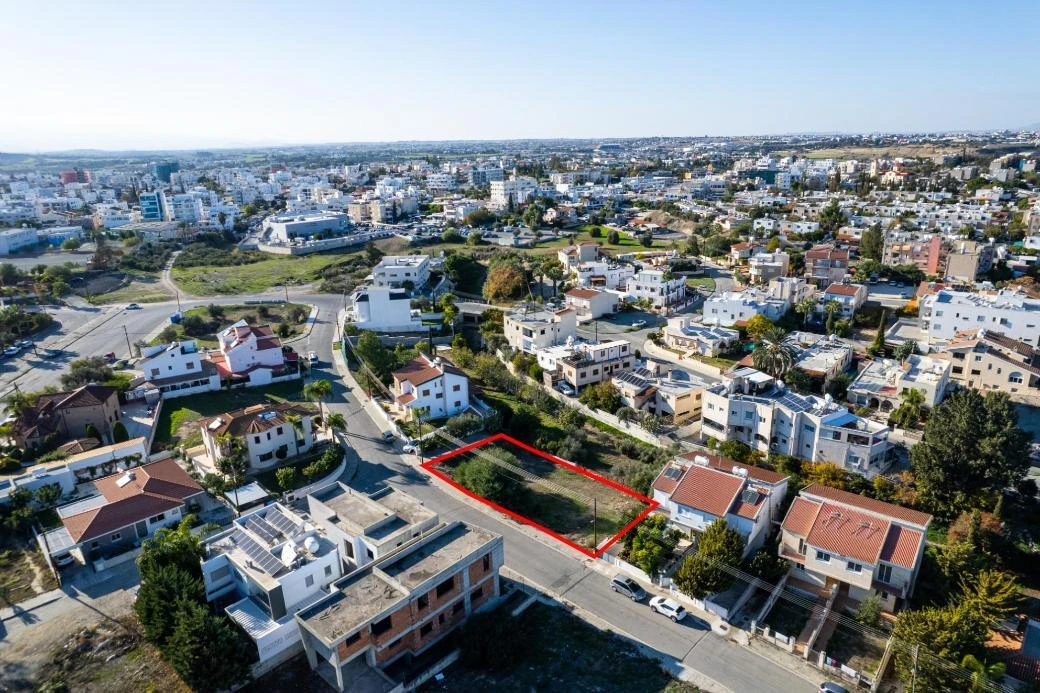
{"x": 1015, "y": 377}
{"x": 440, "y": 395}
{"x": 369, "y": 553}
{"x": 426, "y": 629}
{"x": 349, "y": 546}
{"x": 256, "y": 439}
{"x": 116, "y": 537}
{"x": 278, "y": 430}
{"x": 458, "y": 403}
{"x": 854, "y": 567}
{"x": 425, "y": 393}
{"x": 487, "y": 562}
{"x": 823, "y": 556}
{"x": 158, "y": 518}
{"x": 308, "y": 581}
{"x": 884, "y": 573}
{"x": 382, "y": 626}
{"x": 460, "y": 605}
{"x": 328, "y": 570}
{"x": 220, "y": 573}
{"x": 801, "y": 546}
{"x": 351, "y": 639}
{"x": 424, "y": 601}
{"x": 446, "y": 586}
{"x": 456, "y": 388}
{"x": 189, "y": 365}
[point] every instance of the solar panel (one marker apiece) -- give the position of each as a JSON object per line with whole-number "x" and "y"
{"x": 672, "y": 473}
{"x": 283, "y": 523}
{"x": 263, "y": 558}
{"x": 749, "y": 496}
{"x": 258, "y": 525}
{"x": 794, "y": 403}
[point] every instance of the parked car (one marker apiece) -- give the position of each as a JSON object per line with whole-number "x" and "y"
{"x": 24, "y": 343}
{"x": 831, "y": 687}
{"x": 411, "y": 447}
{"x": 639, "y": 324}
{"x": 565, "y": 389}
{"x": 312, "y": 357}
{"x": 625, "y": 585}
{"x": 64, "y": 559}
{"x": 669, "y": 607}
{"x": 132, "y": 306}
{"x": 12, "y": 351}
{"x": 52, "y": 353}
{"x": 388, "y": 436}
{"x": 110, "y": 356}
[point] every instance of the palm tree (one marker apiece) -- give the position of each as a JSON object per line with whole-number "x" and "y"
{"x": 233, "y": 463}
{"x": 805, "y": 308}
{"x": 317, "y": 392}
{"x": 335, "y": 421}
{"x": 775, "y": 353}
{"x": 909, "y": 412}
{"x": 832, "y": 307}
{"x": 296, "y": 422}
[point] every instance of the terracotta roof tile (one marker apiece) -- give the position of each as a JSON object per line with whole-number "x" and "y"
{"x": 708, "y": 490}
{"x": 843, "y": 289}
{"x": 846, "y": 532}
{"x": 583, "y": 293}
{"x": 800, "y": 516}
{"x": 901, "y": 546}
{"x": 898, "y": 512}
{"x": 725, "y": 464}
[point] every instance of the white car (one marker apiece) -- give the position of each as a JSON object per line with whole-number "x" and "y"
{"x": 132, "y": 306}
{"x": 639, "y": 324}
{"x": 565, "y": 389}
{"x": 312, "y": 357}
{"x": 65, "y": 559}
{"x": 411, "y": 447}
{"x": 669, "y": 607}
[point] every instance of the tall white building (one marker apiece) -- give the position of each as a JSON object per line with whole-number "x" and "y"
{"x": 385, "y": 309}
{"x": 751, "y": 407}
{"x": 395, "y": 270}
{"x": 515, "y": 191}
{"x": 536, "y": 329}
{"x": 1013, "y": 313}
{"x": 658, "y": 287}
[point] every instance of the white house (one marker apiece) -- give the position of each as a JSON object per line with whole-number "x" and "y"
{"x": 271, "y": 563}
{"x": 384, "y": 309}
{"x": 433, "y": 384}
{"x": 173, "y": 370}
{"x": 603, "y": 275}
{"x": 590, "y": 303}
{"x": 395, "y": 270}
{"x": 13, "y": 240}
{"x": 850, "y": 297}
{"x": 881, "y": 384}
{"x": 731, "y": 307}
{"x": 530, "y": 330}
{"x": 253, "y": 353}
{"x": 697, "y": 489}
{"x": 266, "y": 431}
{"x": 574, "y": 255}
{"x": 682, "y": 332}
{"x": 659, "y": 287}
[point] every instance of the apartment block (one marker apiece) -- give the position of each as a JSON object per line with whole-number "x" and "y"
{"x": 580, "y": 364}
{"x": 826, "y": 265}
{"x": 399, "y": 606}
{"x": 881, "y": 384}
{"x": 530, "y": 330}
{"x": 395, "y": 270}
{"x": 658, "y": 287}
{"x": 925, "y": 251}
{"x": 967, "y": 260}
{"x": 984, "y": 359}
{"x": 1012, "y": 313}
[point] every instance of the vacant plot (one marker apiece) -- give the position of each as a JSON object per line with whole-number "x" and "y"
{"x": 143, "y": 288}
{"x": 701, "y": 283}
{"x": 574, "y": 505}
{"x": 854, "y": 649}
{"x": 562, "y": 652}
{"x": 176, "y": 420}
{"x": 274, "y": 315}
{"x": 23, "y": 574}
{"x": 255, "y": 277}
{"x": 787, "y": 618}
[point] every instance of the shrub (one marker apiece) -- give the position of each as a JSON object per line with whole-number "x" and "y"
{"x": 463, "y": 425}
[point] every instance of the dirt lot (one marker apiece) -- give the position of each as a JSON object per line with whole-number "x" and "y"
{"x": 90, "y": 647}
{"x": 23, "y": 574}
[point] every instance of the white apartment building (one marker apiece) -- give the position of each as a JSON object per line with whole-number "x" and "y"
{"x": 515, "y": 192}
{"x": 659, "y": 287}
{"x": 603, "y": 275}
{"x": 764, "y": 267}
{"x": 698, "y": 489}
{"x": 395, "y": 270}
{"x": 531, "y": 330}
{"x": 881, "y": 384}
{"x": 731, "y": 307}
{"x": 273, "y": 562}
{"x": 590, "y": 303}
{"x": 13, "y": 240}
{"x": 753, "y": 408}
{"x": 364, "y": 527}
{"x": 1012, "y": 313}
{"x": 441, "y": 182}
{"x": 184, "y": 207}
{"x": 584, "y": 363}
{"x": 266, "y": 431}
{"x": 384, "y": 309}
{"x": 433, "y": 384}
{"x": 173, "y": 370}
{"x": 683, "y": 332}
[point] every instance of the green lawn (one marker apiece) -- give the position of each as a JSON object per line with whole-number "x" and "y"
{"x": 177, "y": 414}
{"x": 276, "y": 315}
{"x": 701, "y": 282}
{"x": 562, "y": 652}
{"x": 255, "y": 277}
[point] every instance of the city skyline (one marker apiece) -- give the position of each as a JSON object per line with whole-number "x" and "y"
{"x": 138, "y": 78}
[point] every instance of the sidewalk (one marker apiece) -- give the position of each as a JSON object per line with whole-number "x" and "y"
{"x": 308, "y": 327}
{"x": 370, "y": 406}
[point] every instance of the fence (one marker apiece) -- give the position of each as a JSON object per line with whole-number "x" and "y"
{"x": 823, "y": 620}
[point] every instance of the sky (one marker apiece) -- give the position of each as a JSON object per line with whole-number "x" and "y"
{"x": 141, "y": 75}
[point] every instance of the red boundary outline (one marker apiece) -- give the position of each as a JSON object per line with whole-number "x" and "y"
{"x": 651, "y": 503}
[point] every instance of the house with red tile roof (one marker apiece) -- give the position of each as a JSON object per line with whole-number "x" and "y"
{"x": 57, "y": 417}
{"x": 433, "y": 383}
{"x": 270, "y": 433}
{"x": 866, "y": 546}
{"x": 129, "y": 507}
{"x": 253, "y": 353}
{"x": 850, "y": 297}
{"x": 696, "y": 489}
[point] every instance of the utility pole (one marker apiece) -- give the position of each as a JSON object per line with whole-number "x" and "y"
{"x": 595, "y": 533}
{"x": 913, "y": 675}
{"x": 178, "y": 301}
{"x": 129, "y": 349}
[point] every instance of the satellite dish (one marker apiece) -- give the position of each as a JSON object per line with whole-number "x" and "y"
{"x": 288, "y": 554}
{"x": 311, "y": 544}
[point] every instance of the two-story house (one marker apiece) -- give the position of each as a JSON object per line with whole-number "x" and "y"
{"x": 530, "y": 330}
{"x": 674, "y": 394}
{"x": 984, "y": 359}
{"x": 850, "y": 298}
{"x": 881, "y": 384}
{"x": 697, "y": 489}
{"x": 62, "y": 416}
{"x": 173, "y": 370}
{"x": 590, "y": 303}
{"x": 253, "y": 354}
{"x": 401, "y": 605}
{"x": 580, "y": 364}
{"x": 270, "y": 564}
{"x": 866, "y": 546}
{"x": 270, "y": 432}
{"x": 825, "y": 265}
{"x": 659, "y": 288}
{"x": 432, "y": 384}
{"x": 683, "y": 332}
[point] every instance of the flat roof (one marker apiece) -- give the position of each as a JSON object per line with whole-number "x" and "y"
{"x": 435, "y": 555}
{"x": 357, "y": 600}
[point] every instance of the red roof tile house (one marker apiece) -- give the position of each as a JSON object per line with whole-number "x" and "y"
{"x": 129, "y": 507}
{"x": 868, "y": 546}
{"x": 433, "y": 383}
{"x": 252, "y": 353}
{"x": 698, "y": 489}
{"x": 850, "y": 297}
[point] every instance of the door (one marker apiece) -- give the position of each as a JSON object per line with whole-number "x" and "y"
{"x": 142, "y": 529}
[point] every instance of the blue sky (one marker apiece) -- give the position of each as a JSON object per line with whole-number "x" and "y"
{"x": 191, "y": 74}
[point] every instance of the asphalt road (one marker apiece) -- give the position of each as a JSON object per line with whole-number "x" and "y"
{"x": 556, "y": 568}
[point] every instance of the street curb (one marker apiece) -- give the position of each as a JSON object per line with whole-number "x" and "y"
{"x": 308, "y": 328}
